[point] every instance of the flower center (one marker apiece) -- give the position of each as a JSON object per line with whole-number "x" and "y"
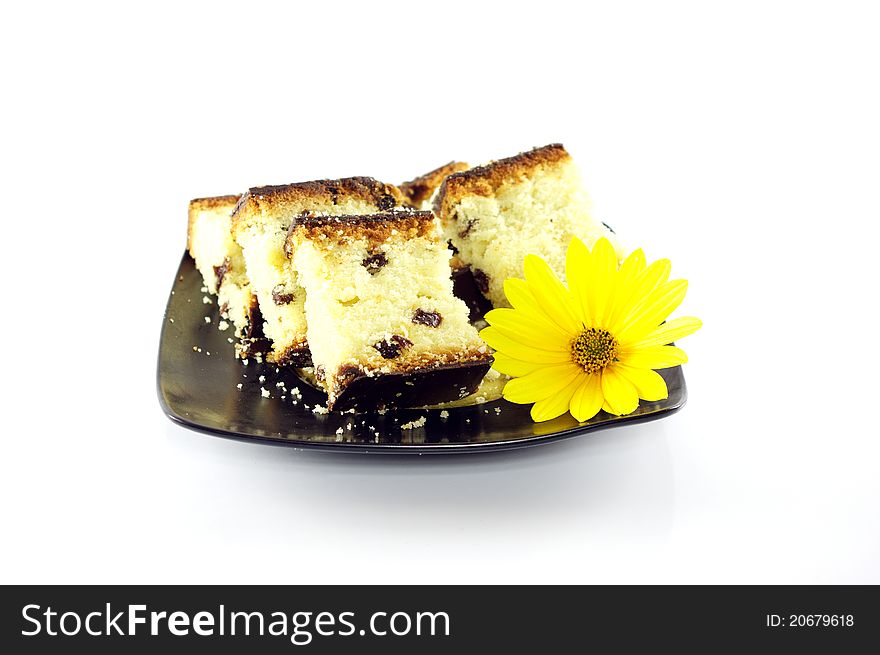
{"x": 594, "y": 349}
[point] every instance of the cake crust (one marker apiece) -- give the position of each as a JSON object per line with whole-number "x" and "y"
{"x": 215, "y": 202}
{"x": 484, "y": 180}
{"x": 419, "y": 191}
{"x": 375, "y": 228}
{"x": 323, "y": 195}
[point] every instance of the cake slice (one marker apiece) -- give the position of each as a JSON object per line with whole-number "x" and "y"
{"x": 259, "y": 225}
{"x": 383, "y": 325}
{"x": 209, "y": 239}
{"x": 533, "y": 203}
{"x": 238, "y": 304}
{"x": 419, "y": 193}
{"x": 219, "y": 259}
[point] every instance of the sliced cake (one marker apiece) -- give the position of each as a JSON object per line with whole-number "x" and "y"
{"x": 219, "y": 259}
{"x": 419, "y": 193}
{"x": 209, "y": 239}
{"x": 260, "y": 223}
{"x": 383, "y": 325}
{"x": 494, "y": 215}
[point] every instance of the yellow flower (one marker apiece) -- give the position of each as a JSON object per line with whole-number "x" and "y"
{"x": 595, "y": 344}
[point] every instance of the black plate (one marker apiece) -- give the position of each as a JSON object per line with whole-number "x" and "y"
{"x": 199, "y": 391}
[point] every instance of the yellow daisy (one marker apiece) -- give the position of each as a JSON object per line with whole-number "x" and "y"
{"x": 594, "y": 345}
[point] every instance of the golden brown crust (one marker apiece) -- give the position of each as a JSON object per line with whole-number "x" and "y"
{"x": 485, "y": 180}
{"x": 317, "y": 196}
{"x": 215, "y": 203}
{"x": 375, "y": 228}
{"x": 420, "y": 189}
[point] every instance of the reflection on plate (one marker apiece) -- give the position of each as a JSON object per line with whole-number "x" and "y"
{"x": 199, "y": 390}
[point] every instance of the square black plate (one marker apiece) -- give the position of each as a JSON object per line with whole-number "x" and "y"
{"x": 198, "y": 390}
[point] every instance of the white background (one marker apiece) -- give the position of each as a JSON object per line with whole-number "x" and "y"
{"x": 739, "y": 139}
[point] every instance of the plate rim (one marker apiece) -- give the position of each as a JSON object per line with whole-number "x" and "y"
{"x": 423, "y": 449}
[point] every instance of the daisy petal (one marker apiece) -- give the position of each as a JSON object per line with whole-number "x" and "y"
{"x": 622, "y": 302}
{"x": 503, "y": 343}
{"x": 653, "y": 357}
{"x": 551, "y": 294}
{"x": 587, "y": 400}
{"x": 653, "y": 310}
{"x": 654, "y": 275}
{"x": 529, "y": 328}
{"x": 540, "y": 384}
{"x": 670, "y": 331}
{"x": 635, "y": 262}
{"x": 513, "y": 367}
{"x": 645, "y": 282}
{"x": 518, "y": 294}
{"x": 554, "y": 405}
{"x": 620, "y": 395}
{"x": 649, "y": 384}
{"x": 601, "y": 281}
{"x": 578, "y": 267}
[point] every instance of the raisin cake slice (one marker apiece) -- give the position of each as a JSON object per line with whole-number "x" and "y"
{"x": 419, "y": 193}
{"x": 260, "y": 223}
{"x": 219, "y": 259}
{"x": 533, "y": 203}
{"x": 383, "y": 325}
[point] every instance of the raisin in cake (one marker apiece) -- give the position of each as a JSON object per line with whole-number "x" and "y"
{"x": 494, "y": 215}
{"x": 419, "y": 193}
{"x": 383, "y": 325}
{"x": 219, "y": 259}
{"x": 260, "y": 223}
